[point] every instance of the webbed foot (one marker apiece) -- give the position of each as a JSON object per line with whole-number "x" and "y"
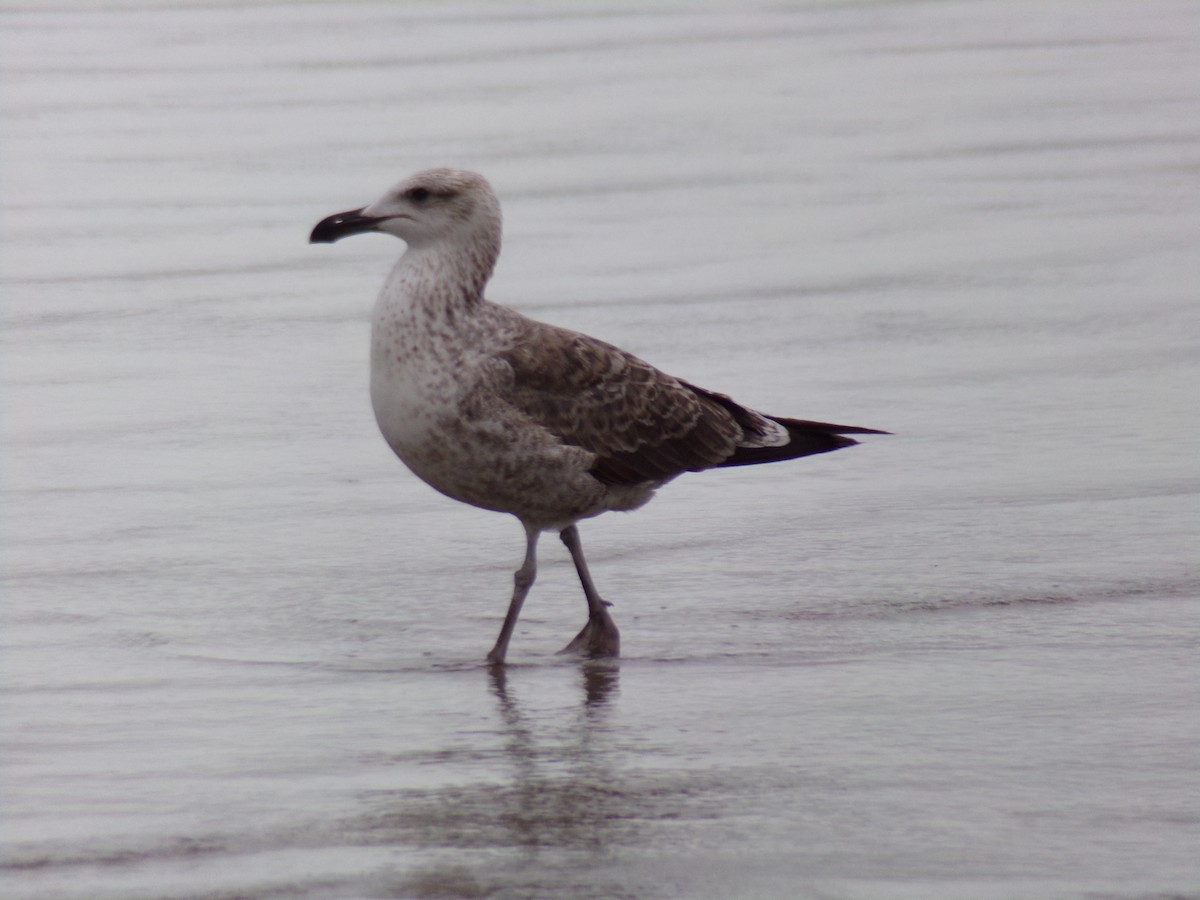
{"x": 598, "y": 639}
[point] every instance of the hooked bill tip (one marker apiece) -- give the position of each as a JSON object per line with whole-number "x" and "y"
{"x": 341, "y": 225}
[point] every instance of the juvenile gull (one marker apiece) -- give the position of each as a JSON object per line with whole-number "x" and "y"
{"x": 506, "y": 413}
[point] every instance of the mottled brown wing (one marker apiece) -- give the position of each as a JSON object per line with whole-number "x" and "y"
{"x": 642, "y": 424}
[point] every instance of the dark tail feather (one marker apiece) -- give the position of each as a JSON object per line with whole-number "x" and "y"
{"x": 807, "y": 438}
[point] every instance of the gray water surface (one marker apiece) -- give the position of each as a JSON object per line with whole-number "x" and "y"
{"x": 242, "y": 647}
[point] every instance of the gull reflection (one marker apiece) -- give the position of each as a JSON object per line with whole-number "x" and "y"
{"x": 545, "y": 806}
{"x": 563, "y": 791}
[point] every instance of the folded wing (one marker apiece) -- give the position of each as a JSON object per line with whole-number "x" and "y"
{"x": 642, "y": 424}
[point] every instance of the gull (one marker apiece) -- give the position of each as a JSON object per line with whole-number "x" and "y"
{"x": 506, "y": 413}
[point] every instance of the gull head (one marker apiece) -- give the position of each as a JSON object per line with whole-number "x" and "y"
{"x": 432, "y": 207}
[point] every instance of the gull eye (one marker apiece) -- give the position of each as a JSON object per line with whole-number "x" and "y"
{"x": 418, "y": 194}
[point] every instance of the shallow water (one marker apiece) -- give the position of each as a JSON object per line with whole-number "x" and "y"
{"x": 242, "y": 647}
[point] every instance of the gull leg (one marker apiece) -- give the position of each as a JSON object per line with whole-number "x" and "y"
{"x": 522, "y": 581}
{"x": 599, "y": 636}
